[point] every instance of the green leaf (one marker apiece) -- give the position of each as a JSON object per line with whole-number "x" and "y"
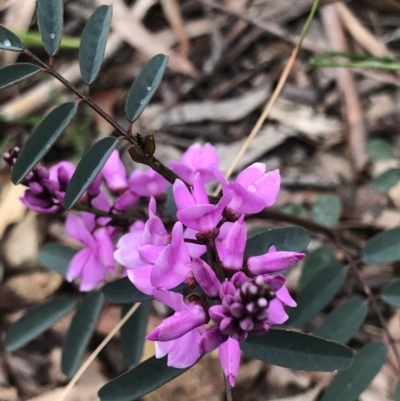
{"x": 122, "y": 291}
{"x": 42, "y": 139}
{"x": 10, "y": 41}
{"x": 342, "y": 323}
{"x": 326, "y": 210}
{"x": 317, "y": 294}
{"x": 145, "y": 86}
{"x": 379, "y": 149}
{"x": 170, "y": 205}
{"x": 93, "y": 43}
{"x": 350, "y": 383}
{"x": 391, "y": 293}
{"x": 294, "y": 209}
{"x": 293, "y": 239}
{"x": 133, "y": 332}
{"x": 88, "y": 168}
{"x": 295, "y": 350}
{"x": 383, "y": 247}
{"x": 314, "y": 262}
{"x": 80, "y": 331}
{"x": 50, "y": 21}
{"x": 12, "y": 74}
{"x": 56, "y": 257}
{"x": 386, "y": 180}
{"x": 141, "y": 380}
{"x": 36, "y": 321}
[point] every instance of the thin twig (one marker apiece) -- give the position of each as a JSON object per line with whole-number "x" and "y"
{"x": 96, "y": 352}
{"x": 275, "y": 94}
{"x": 371, "y": 298}
{"x": 228, "y": 389}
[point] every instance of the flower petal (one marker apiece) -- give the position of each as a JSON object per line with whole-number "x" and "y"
{"x": 276, "y": 312}
{"x": 229, "y": 356}
{"x": 273, "y": 262}
{"x": 206, "y": 277}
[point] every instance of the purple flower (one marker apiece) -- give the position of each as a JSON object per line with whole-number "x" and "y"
{"x": 138, "y": 250}
{"x": 197, "y": 159}
{"x": 114, "y": 173}
{"x": 194, "y": 208}
{"x": 47, "y": 187}
{"x": 147, "y": 183}
{"x": 92, "y": 263}
{"x": 253, "y": 189}
{"x": 182, "y": 351}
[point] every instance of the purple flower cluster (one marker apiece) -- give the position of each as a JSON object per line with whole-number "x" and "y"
{"x": 230, "y": 296}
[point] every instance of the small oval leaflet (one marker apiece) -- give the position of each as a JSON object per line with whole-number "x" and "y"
{"x": 36, "y": 321}
{"x": 293, "y": 239}
{"x": 133, "y": 332}
{"x": 315, "y": 261}
{"x": 93, "y": 43}
{"x": 383, "y": 247}
{"x": 391, "y": 293}
{"x": 80, "y": 331}
{"x": 141, "y": 380}
{"x": 88, "y": 168}
{"x": 10, "y": 41}
{"x": 15, "y": 73}
{"x": 145, "y": 86}
{"x": 348, "y": 384}
{"x": 42, "y": 139}
{"x": 326, "y": 210}
{"x": 56, "y": 257}
{"x": 379, "y": 149}
{"x": 386, "y": 180}
{"x": 343, "y": 322}
{"x": 50, "y": 21}
{"x": 295, "y": 350}
{"x": 122, "y": 291}
{"x": 317, "y": 294}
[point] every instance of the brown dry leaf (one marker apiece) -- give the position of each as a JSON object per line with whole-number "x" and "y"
{"x": 317, "y": 127}
{"x": 12, "y": 210}
{"x": 173, "y": 14}
{"x": 388, "y": 219}
{"x": 17, "y": 18}
{"x": 134, "y": 33}
{"x": 267, "y": 139}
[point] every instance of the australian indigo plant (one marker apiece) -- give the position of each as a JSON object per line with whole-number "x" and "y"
{"x": 175, "y": 243}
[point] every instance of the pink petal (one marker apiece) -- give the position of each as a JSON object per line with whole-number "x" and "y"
{"x": 273, "y": 262}
{"x": 250, "y": 174}
{"x": 235, "y": 244}
{"x": 283, "y": 295}
{"x": 179, "y": 324}
{"x": 229, "y": 356}
{"x": 276, "y": 312}
{"x": 268, "y": 187}
{"x": 245, "y": 201}
{"x": 75, "y": 228}
{"x": 184, "y": 351}
{"x": 114, "y": 172}
{"x": 140, "y": 277}
{"x": 93, "y": 273}
{"x": 105, "y": 247}
{"x": 182, "y": 195}
{"x": 212, "y": 339}
{"x": 77, "y": 263}
{"x": 174, "y": 300}
{"x": 206, "y": 277}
